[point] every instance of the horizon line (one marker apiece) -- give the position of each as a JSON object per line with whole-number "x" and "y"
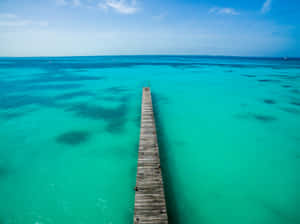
{"x": 174, "y": 55}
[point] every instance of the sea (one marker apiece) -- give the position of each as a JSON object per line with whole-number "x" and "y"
{"x": 228, "y": 130}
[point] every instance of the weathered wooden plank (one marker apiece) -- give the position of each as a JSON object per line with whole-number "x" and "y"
{"x": 150, "y": 204}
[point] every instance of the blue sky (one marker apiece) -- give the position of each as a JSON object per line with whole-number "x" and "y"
{"x": 118, "y": 27}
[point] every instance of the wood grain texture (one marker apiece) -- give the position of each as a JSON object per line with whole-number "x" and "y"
{"x": 150, "y": 204}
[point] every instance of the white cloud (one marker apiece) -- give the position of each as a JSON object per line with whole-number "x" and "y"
{"x": 266, "y": 6}
{"x": 61, "y": 2}
{"x": 246, "y": 42}
{"x": 20, "y": 23}
{"x": 7, "y": 16}
{"x": 223, "y": 11}
{"x": 121, "y": 6}
{"x": 76, "y": 3}
{"x": 102, "y": 5}
{"x": 12, "y": 20}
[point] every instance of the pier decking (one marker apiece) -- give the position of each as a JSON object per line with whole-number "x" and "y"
{"x": 150, "y": 204}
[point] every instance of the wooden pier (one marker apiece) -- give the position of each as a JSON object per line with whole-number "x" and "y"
{"x": 150, "y": 204}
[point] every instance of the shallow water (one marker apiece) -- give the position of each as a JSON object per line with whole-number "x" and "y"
{"x": 228, "y": 131}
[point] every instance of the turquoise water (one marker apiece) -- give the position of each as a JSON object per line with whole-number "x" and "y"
{"x": 228, "y": 128}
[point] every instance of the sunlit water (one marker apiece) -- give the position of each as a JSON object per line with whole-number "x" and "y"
{"x": 228, "y": 128}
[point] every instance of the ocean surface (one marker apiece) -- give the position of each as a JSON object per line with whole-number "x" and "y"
{"x": 228, "y": 129}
